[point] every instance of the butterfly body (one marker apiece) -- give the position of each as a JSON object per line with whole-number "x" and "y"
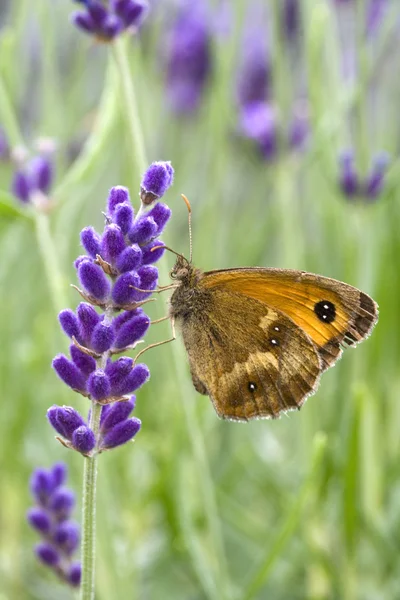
{"x": 259, "y": 338}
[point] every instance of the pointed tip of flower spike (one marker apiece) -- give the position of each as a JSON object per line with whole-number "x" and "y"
{"x": 157, "y": 179}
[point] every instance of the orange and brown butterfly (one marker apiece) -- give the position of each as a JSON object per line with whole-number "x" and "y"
{"x": 258, "y": 339}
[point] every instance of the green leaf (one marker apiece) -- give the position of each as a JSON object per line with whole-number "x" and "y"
{"x": 9, "y": 208}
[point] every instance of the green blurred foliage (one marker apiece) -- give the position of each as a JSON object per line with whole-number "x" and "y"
{"x": 304, "y": 507}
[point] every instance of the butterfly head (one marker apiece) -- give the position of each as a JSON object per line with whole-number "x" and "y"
{"x": 182, "y": 269}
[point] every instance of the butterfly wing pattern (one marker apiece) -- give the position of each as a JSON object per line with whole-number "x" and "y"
{"x": 334, "y": 314}
{"x": 253, "y": 365}
{"x": 258, "y": 339}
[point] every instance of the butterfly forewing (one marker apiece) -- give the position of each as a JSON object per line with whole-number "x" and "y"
{"x": 332, "y": 313}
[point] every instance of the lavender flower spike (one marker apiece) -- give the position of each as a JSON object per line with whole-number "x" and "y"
{"x": 116, "y": 275}
{"x": 115, "y": 282}
{"x": 50, "y": 518}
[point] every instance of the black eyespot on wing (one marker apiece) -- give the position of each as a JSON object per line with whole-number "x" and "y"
{"x": 252, "y": 386}
{"x": 325, "y": 311}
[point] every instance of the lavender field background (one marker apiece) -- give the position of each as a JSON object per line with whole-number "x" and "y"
{"x": 282, "y": 122}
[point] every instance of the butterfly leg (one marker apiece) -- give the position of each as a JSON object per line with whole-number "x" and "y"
{"x": 159, "y": 343}
{"x": 164, "y": 288}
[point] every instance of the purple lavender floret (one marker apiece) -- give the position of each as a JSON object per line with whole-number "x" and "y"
{"x": 105, "y": 21}
{"x": 32, "y": 182}
{"x": 349, "y": 181}
{"x": 76, "y": 434}
{"x": 117, "y": 276}
{"x": 356, "y": 187}
{"x": 375, "y": 179}
{"x": 50, "y": 517}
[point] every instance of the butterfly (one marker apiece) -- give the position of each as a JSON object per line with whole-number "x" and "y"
{"x": 258, "y": 339}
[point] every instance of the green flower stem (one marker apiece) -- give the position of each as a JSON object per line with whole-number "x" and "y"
{"x": 133, "y": 122}
{"x": 49, "y": 255}
{"x": 8, "y": 118}
{"x": 130, "y": 106}
{"x": 89, "y": 514}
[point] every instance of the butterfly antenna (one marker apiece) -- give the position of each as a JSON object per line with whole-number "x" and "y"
{"x": 190, "y": 225}
{"x": 169, "y": 249}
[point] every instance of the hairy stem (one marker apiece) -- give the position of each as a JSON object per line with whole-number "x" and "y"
{"x": 89, "y": 513}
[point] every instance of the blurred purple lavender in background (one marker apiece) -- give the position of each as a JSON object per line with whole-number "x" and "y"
{"x": 258, "y": 119}
{"x": 50, "y": 517}
{"x": 32, "y": 181}
{"x": 118, "y": 275}
{"x": 105, "y": 21}
{"x": 375, "y": 15}
{"x": 291, "y": 18}
{"x": 254, "y": 71}
{"x": 368, "y": 188}
{"x": 188, "y": 58}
